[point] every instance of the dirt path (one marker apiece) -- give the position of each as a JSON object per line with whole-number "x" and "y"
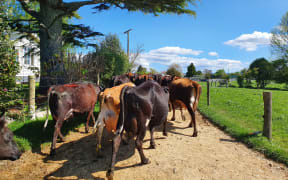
{"x": 211, "y": 155}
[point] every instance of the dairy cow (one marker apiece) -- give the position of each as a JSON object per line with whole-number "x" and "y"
{"x": 188, "y": 92}
{"x": 65, "y": 100}
{"x": 142, "y": 106}
{"x": 109, "y": 113}
{"x": 8, "y": 147}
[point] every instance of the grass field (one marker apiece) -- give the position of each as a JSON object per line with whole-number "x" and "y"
{"x": 29, "y": 135}
{"x": 239, "y": 111}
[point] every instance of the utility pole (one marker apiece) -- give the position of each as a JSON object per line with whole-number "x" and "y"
{"x": 127, "y": 32}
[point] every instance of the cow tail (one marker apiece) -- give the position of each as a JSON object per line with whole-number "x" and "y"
{"x": 47, "y": 109}
{"x": 120, "y": 123}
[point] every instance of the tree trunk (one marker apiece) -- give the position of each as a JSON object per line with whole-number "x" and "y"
{"x": 50, "y": 45}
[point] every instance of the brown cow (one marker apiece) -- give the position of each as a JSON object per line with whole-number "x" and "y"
{"x": 143, "y": 106}
{"x": 8, "y": 147}
{"x": 109, "y": 113}
{"x": 64, "y": 100}
{"x": 188, "y": 92}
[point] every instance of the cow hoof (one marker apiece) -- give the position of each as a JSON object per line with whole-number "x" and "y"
{"x": 62, "y": 139}
{"x": 110, "y": 174}
{"x": 194, "y": 134}
{"x": 86, "y": 130}
{"x": 165, "y": 134}
{"x": 146, "y": 161}
{"x": 152, "y": 146}
{"x": 172, "y": 119}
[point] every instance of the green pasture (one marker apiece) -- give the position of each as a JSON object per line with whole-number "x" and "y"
{"x": 239, "y": 111}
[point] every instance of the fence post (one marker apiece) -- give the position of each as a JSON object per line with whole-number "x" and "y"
{"x": 31, "y": 101}
{"x": 227, "y": 83}
{"x": 208, "y": 92}
{"x": 267, "y": 127}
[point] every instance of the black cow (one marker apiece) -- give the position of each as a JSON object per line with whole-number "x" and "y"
{"x": 120, "y": 79}
{"x": 8, "y": 147}
{"x": 143, "y": 106}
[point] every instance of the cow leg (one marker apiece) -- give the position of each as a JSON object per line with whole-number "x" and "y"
{"x": 182, "y": 114}
{"x": 139, "y": 142}
{"x": 99, "y": 133}
{"x": 164, "y": 127}
{"x": 87, "y": 122}
{"x": 173, "y": 111}
{"x": 193, "y": 119}
{"x": 62, "y": 138}
{"x": 55, "y": 136}
{"x": 93, "y": 118}
{"x": 152, "y": 142}
{"x": 115, "y": 148}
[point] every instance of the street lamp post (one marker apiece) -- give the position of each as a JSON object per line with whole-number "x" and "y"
{"x": 127, "y": 32}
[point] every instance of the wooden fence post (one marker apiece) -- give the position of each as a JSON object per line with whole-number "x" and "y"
{"x": 208, "y": 92}
{"x": 31, "y": 101}
{"x": 267, "y": 127}
{"x": 227, "y": 83}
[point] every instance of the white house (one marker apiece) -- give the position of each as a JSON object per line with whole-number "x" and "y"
{"x": 27, "y": 60}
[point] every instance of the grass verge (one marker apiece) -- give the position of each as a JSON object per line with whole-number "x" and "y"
{"x": 239, "y": 112}
{"x": 29, "y": 135}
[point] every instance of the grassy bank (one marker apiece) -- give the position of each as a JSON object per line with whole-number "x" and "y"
{"x": 240, "y": 111}
{"x": 29, "y": 135}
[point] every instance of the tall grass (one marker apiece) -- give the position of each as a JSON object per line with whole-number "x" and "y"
{"x": 240, "y": 111}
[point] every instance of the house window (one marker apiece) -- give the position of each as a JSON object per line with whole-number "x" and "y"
{"x": 27, "y": 56}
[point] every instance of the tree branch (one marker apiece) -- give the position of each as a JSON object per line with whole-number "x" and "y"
{"x": 73, "y": 6}
{"x": 26, "y": 8}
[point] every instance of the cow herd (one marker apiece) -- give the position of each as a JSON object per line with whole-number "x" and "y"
{"x": 132, "y": 104}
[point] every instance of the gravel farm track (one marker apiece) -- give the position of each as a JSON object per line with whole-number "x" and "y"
{"x": 211, "y": 155}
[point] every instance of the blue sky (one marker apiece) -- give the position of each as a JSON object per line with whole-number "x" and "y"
{"x": 225, "y": 34}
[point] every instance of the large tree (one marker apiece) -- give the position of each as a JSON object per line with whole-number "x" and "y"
{"x": 280, "y": 71}
{"x": 279, "y": 40}
{"x": 191, "y": 70}
{"x": 48, "y": 15}
{"x": 174, "y": 70}
{"x": 220, "y": 73}
{"x": 115, "y": 60}
{"x": 261, "y": 71}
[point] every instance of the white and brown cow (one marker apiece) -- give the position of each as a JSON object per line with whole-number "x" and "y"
{"x": 188, "y": 92}
{"x": 109, "y": 113}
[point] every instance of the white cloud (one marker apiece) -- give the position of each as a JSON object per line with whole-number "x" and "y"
{"x": 250, "y": 42}
{"x": 155, "y": 57}
{"x": 176, "y": 50}
{"x": 212, "y": 53}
